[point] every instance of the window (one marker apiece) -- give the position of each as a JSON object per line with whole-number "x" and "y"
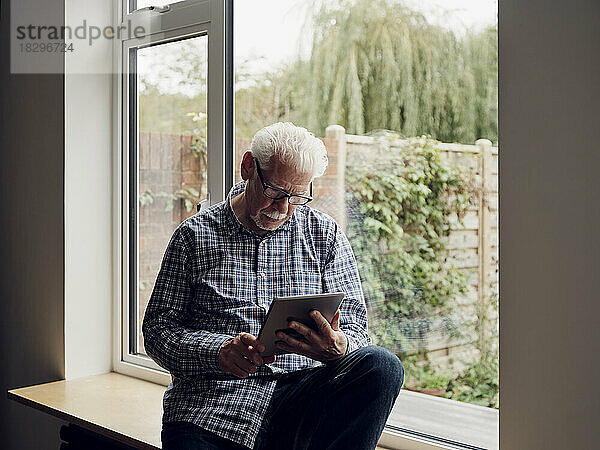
{"x": 371, "y": 78}
{"x": 171, "y": 111}
{"x": 421, "y": 212}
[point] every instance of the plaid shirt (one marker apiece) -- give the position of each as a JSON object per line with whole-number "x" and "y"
{"x": 217, "y": 279}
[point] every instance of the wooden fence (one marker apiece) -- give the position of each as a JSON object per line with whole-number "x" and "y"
{"x": 472, "y": 246}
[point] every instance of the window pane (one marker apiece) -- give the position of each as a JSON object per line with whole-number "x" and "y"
{"x": 171, "y": 87}
{"x": 421, "y": 215}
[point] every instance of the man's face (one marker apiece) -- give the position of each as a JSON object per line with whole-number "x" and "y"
{"x": 266, "y": 213}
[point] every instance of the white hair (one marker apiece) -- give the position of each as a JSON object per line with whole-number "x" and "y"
{"x": 290, "y": 145}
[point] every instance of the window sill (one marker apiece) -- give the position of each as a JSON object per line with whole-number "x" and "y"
{"x": 463, "y": 425}
{"x": 122, "y": 408}
{"x": 129, "y": 410}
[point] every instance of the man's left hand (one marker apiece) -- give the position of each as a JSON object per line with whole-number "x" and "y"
{"x": 327, "y": 343}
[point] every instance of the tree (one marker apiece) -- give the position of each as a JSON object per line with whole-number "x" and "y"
{"x": 376, "y": 64}
{"x": 173, "y": 83}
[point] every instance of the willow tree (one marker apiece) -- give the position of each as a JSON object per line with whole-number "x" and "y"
{"x": 482, "y": 51}
{"x": 376, "y": 64}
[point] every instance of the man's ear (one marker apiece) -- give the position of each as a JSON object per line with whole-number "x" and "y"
{"x": 247, "y": 166}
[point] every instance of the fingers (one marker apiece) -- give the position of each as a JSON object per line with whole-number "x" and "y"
{"x": 251, "y": 355}
{"x": 237, "y": 364}
{"x": 250, "y": 347}
{"x": 242, "y": 367}
{"x": 240, "y": 355}
{"x": 236, "y": 370}
{"x": 246, "y": 366}
{"x": 335, "y": 323}
{"x": 248, "y": 339}
{"x": 322, "y": 324}
{"x": 292, "y": 344}
{"x": 284, "y": 346}
{"x": 308, "y": 333}
{"x": 321, "y": 345}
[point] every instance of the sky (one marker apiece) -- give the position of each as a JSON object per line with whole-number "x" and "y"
{"x": 271, "y": 28}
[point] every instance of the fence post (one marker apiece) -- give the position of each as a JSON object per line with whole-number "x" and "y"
{"x": 485, "y": 171}
{"x": 338, "y": 133}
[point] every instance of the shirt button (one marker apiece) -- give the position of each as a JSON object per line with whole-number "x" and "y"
{"x": 261, "y": 274}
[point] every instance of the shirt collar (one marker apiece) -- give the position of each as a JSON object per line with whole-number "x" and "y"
{"x": 236, "y": 225}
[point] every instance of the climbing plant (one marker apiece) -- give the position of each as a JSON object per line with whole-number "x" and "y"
{"x": 402, "y": 206}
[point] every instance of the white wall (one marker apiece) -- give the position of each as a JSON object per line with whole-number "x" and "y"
{"x": 88, "y": 181}
{"x": 549, "y": 244}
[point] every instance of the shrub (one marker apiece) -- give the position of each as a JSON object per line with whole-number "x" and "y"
{"x": 401, "y": 209}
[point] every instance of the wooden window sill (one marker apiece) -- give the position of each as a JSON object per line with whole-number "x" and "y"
{"x": 125, "y": 409}
{"x": 129, "y": 410}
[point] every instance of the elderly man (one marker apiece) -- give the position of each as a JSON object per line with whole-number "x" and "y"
{"x": 221, "y": 270}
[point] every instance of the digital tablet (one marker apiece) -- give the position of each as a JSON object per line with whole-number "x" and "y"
{"x": 295, "y": 308}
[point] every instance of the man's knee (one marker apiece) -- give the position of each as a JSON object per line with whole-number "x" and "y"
{"x": 384, "y": 364}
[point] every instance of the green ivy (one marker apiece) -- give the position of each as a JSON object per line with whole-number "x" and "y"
{"x": 401, "y": 208}
{"x": 190, "y": 197}
{"x": 424, "y": 376}
{"x": 477, "y": 384}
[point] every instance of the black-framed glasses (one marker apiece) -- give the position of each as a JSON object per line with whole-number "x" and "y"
{"x": 277, "y": 194}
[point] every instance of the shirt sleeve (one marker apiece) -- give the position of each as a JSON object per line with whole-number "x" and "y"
{"x": 181, "y": 351}
{"x": 341, "y": 275}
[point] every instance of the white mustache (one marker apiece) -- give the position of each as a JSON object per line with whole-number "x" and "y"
{"x": 274, "y": 215}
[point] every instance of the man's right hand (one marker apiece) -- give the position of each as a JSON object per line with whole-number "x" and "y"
{"x": 240, "y": 356}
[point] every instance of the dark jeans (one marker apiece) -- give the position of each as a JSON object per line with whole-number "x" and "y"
{"x": 343, "y": 405}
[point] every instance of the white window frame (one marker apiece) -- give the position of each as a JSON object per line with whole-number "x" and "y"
{"x": 183, "y": 20}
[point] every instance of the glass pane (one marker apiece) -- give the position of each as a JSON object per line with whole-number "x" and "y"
{"x": 171, "y": 86}
{"x": 421, "y": 214}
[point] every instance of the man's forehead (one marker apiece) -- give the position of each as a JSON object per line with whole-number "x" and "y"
{"x": 285, "y": 177}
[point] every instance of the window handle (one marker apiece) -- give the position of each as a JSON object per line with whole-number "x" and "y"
{"x": 158, "y": 9}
